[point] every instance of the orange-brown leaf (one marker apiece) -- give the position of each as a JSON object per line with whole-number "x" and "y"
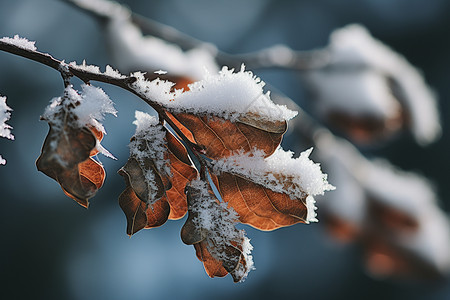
{"x": 134, "y": 173}
{"x": 158, "y": 213}
{"x": 213, "y": 267}
{"x": 187, "y": 133}
{"x": 134, "y": 210}
{"x": 65, "y": 157}
{"x": 218, "y": 244}
{"x": 93, "y": 171}
{"x": 182, "y": 173}
{"x": 139, "y": 215}
{"x": 258, "y": 206}
{"x": 220, "y": 137}
{"x": 141, "y": 211}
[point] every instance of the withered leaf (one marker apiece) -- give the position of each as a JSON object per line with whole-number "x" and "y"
{"x": 213, "y": 267}
{"x": 134, "y": 210}
{"x": 66, "y": 157}
{"x": 259, "y": 206}
{"x": 163, "y": 198}
{"x": 140, "y": 215}
{"x": 144, "y": 205}
{"x": 182, "y": 173}
{"x": 136, "y": 175}
{"x": 222, "y": 138}
{"x": 217, "y": 245}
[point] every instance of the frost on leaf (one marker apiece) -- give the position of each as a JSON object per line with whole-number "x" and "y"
{"x": 264, "y": 184}
{"x": 155, "y": 174}
{"x": 73, "y": 139}
{"x": 230, "y": 95}
{"x": 5, "y": 129}
{"x": 270, "y": 192}
{"x": 230, "y": 112}
{"x": 210, "y": 227}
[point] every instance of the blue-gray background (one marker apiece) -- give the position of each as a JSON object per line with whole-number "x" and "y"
{"x": 51, "y": 248}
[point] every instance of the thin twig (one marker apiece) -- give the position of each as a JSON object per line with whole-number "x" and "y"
{"x": 279, "y": 56}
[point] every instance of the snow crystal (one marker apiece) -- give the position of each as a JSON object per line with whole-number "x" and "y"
{"x": 20, "y": 42}
{"x": 229, "y": 95}
{"x": 209, "y": 214}
{"x": 357, "y": 81}
{"x": 160, "y": 72}
{"x": 110, "y": 71}
{"x": 247, "y": 250}
{"x": 94, "y": 105}
{"x": 156, "y": 90}
{"x": 276, "y": 170}
{"x": 85, "y": 67}
{"x": 5, "y": 114}
{"x": 5, "y": 129}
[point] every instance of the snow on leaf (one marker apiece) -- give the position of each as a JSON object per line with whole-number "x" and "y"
{"x": 88, "y": 109}
{"x": 230, "y": 95}
{"x": 146, "y": 171}
{"x": 271, "y": 192}
{"x": 66, "y": 158}
{"x": 210, "y": 227}
{"x": 156, "y": 174}
{"x": 72, "y": 140}
{"x": 94, "y": 105}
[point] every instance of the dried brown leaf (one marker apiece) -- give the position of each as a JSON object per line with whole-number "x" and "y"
{"x": 213, "y": 267}
{"x": 164, "y": 197}
{"x": 259, "y": 206}
{"x": 140, "y": 209}
{"x": 219, "y": 248}
{"x": 65, "y": 157}
{"x": 134, "y": 210}
{"x": 139, "y": 213}
{"x": 222, "y": 138}
{"x": 182, "y": 173}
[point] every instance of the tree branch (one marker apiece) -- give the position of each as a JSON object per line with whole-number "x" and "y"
{"x": 87, "y": 74}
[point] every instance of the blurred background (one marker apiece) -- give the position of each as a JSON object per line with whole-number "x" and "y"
{"x": 52, "y": 248}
